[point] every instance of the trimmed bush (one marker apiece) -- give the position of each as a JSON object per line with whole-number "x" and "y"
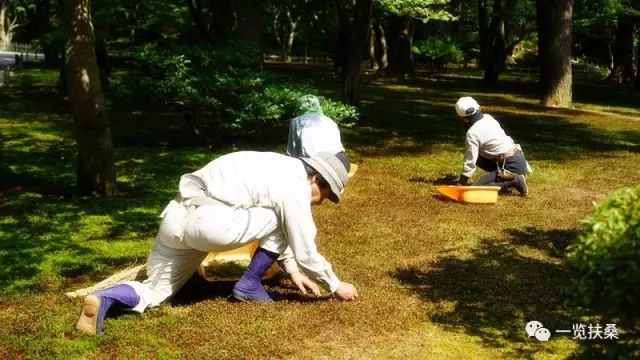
{"x": 607, "y": 257}
{"x": 221, "y": 96}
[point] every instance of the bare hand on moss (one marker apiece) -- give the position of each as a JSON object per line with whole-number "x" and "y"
{"x": 303, "y": 283}
{"x": 346, "y": 291}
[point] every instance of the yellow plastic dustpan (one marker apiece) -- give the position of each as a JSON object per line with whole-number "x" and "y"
{"x": 231, "y": 264}
{"x": 470, "y": 194}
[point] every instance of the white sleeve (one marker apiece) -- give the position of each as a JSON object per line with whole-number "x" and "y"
{"x": 191, "y": 185}
{"x": 470, "y": 155}
{"x": 288, "y": 261}
{"x": 300, "y": 232}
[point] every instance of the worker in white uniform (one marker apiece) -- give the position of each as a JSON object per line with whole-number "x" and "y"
{"x": 491, "y": 149}
{"x": 312, "y": 132}
{"x": 231, "y": 201}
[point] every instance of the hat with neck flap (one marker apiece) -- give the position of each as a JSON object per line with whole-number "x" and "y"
{"x": 309, "y": 104}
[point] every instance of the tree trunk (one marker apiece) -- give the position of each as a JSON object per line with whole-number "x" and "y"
{"x": 353, "y": 35}
{"x": 7, "y": 25}
{"x": 373, "y": 60}
{"x": 95, "y": 170}
{"x": 493, "y": 39}
{"x": 384, "y": 59}
{"x": 196, "y": 12}
{"x": 622, "y": 70}
{"x": 291, "y": 35}
{"x": 400, "y": 38}
{"x": 3, "y": 16}
{"x": 554, "y": 50}
{"x": 249, "y": 23}
{"x": 495, "y": 54}
{"x": 290, "y": 39}
{"x": 638, "y": 64}
{"x": 378, "y": 48}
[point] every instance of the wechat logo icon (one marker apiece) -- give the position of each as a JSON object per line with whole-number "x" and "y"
{"x": 536, "y": 329}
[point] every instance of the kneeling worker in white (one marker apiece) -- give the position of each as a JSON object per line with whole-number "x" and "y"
{"x": 231, "y": 201}
{"x": 491, "y": 149}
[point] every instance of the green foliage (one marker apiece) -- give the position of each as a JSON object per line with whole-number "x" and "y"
{"x": 134, "y": 21}
{"x": 607, "y": 256}
{"x": 586, "y": 66}
{"x": 525, "y": 53}
{"x": 220, "y": 100}
{"x": 465, "y": 284}
{"x": 439, "y": 50}
{"x": 595, "y": 24}
{"x": 425, "y": 10}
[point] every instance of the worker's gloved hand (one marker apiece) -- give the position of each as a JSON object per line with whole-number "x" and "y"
{"x": 303, "y": 283}
{"x": 346, "y": 291}
{"x": 463, "y": 180}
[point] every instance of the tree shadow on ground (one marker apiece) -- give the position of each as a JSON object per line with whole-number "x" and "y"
{"x": 447, "y": 179}
{"x": 198, "y": 289}
{"x": 496, "y": 291}
{"x": 396, "y": 120}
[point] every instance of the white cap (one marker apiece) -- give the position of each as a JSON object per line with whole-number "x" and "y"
{"x": 467, "y": 106}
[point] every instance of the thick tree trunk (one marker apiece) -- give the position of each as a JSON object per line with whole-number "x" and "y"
{"x": 354, "y": 33}
{"x": 622, "y": 70}
{"x": 554, "y": 50}
{"x": 95, "y": 170}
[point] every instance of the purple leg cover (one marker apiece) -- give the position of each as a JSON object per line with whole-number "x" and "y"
{"x": 98, "y": 304}
{"x": 249, "y": 288}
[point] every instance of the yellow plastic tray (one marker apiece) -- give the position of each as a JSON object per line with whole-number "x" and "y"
{"x": 470, "y": 194}
{"x": 230, "y": 264}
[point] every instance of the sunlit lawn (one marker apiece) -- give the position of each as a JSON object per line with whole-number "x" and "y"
{"x": 437, "y": 280}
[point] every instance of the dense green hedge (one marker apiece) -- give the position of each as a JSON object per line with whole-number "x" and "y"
{"x": 607, "y": 257}
{"x": 220, "y": 91}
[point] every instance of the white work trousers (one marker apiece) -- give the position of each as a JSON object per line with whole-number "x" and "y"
{"x": 209, "y": 228}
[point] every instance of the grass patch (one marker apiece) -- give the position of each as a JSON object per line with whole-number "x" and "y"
{"x": 437, "y": 279}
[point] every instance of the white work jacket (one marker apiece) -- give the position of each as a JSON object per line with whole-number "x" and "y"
{"x": 312, "y": 133}
{"x": 247, "y": 179}
{"x": 486, "y": 138}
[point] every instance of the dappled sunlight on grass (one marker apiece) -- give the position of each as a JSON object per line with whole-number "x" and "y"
{"x": 437, "y": 279}
{"x": 495, "y": 292}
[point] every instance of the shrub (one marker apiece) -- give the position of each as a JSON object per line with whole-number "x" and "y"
{"x": 438, "y": 51}
{"x": 220, "y": 95}
{"x": 589, "y": 69}
{"x": 607, "y": 257}
{"x": 525, "y": 54}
